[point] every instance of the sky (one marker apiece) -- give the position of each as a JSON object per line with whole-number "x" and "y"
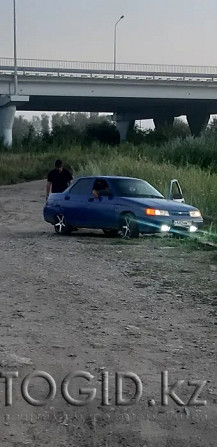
{"x": 152, "y": 31}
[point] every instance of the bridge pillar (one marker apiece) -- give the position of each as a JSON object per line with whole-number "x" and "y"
{"x": 197, "y": 122}
{"x": 123, "y": 124}
{"x": 6, "y": 123}
{"x": 7, "y": 112}
{"x": 163, "y": 119}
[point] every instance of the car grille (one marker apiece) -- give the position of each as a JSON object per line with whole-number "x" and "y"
{"x": 179, "y": 213}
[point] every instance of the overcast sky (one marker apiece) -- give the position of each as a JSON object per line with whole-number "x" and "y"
{"x": 152, "y": 31}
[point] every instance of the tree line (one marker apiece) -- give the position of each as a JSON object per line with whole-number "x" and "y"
{"x": 69, "y": 127}
{"x": 85, "y": 128}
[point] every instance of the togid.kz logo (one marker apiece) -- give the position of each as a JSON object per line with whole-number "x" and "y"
{"x": 88, "y": 394}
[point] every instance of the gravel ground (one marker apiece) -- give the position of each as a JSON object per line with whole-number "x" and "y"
{"x": 87, "y": 303}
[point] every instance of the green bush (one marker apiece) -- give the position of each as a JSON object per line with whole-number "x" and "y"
{"x": 103, "y": 132}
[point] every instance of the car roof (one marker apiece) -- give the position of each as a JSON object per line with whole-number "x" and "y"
{"x": 108, "y": 177}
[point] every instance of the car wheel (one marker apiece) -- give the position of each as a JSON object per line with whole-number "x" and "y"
{"x": 60, "y": 226}
{"x": 129, "y": 227}
{"x": 110, "y": 233}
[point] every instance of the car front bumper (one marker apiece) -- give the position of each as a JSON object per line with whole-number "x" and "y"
{"x": 169, "y": 225}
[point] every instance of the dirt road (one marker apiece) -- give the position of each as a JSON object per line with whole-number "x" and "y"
{"x": 87, "y": 303}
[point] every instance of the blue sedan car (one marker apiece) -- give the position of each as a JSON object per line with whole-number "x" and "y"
{"x": 124, "y": 205}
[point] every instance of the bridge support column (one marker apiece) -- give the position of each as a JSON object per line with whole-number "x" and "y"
{"x": 197, "y": 122}
{"x": 6, "y": 123}
{"x": 7, "y": 112}
{"x": 123, "y": 124}
{"x": 163, "y": 119}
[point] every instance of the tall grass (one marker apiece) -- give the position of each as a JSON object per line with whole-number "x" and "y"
{"x": 199, "y": 186}
{"x": 200, "y": 152}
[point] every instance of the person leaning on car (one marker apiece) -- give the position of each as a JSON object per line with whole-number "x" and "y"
{"x": 58, "y": 179}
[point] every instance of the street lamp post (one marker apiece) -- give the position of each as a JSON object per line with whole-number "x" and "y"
{"x": 115, "y": 39}
{"x": 15, "y": 51}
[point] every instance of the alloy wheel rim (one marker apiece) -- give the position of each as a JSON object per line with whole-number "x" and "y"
{"x": 126, "y": 228}
{"x": 60, "y": 224}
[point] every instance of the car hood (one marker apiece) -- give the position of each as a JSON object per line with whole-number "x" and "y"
{"x": 162, "y": 204}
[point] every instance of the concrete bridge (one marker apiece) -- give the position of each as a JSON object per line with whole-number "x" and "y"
{"x": 131, "y": 92}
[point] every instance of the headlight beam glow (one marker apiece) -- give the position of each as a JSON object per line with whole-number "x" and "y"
{"x": 164, "y": 228}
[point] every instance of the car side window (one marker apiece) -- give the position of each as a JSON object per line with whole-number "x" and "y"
{"x": 82, "y": 187}
{"x": 98, "y": 186}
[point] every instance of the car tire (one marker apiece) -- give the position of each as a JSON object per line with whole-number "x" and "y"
{"x": 60, "y": 226}
{"x": 110, "y": 233}
{"x": 128, "y": 226}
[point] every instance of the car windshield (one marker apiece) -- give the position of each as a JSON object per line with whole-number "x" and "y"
{"x": 134, "y": 188}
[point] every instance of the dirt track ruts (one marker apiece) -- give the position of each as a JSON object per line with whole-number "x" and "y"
{"x": 85, "y": 302}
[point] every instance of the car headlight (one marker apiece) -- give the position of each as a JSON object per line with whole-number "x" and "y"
{"x": 154, "y": 212}
{"x": 195, "y": 213}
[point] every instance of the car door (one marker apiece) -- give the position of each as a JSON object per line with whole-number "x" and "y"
{"x": 75, "y": 203}
{"x": 175, "y": 191}
{"x": 101, "y": 212}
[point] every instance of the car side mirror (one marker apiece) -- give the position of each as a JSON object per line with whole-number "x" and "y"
{"x": 177, "y": 196}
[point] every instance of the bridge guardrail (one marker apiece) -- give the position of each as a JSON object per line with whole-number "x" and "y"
{"x": 105, "y": 68}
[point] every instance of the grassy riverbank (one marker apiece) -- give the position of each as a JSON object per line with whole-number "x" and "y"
{"x": 199, "y": 185}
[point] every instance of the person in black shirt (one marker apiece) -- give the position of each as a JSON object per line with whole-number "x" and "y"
{"x": 58, "y": 179}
